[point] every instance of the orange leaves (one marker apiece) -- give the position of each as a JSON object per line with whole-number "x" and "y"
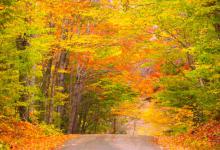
{"x": 156, "y": 75}
{"x": 2, "y": 7}
{"x": 85, "y": 58}
{"x": 13, "y": 132}
{"x": 204, "y": 137}
{"x": 25, "y": 136}
{"x": 44, "y": 142}
{"x": 144, "y": 86}
{"x": 104, "y": 29}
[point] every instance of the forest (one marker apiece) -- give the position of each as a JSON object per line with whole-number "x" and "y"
{"x": 70, "y": 67}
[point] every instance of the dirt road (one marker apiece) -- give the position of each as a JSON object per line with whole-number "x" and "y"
{"x": 110, "y": 142}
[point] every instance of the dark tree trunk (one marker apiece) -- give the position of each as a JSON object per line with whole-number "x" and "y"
{"x": 75, "y": 98}
{"x": 45, "y": 86}
{"x": 46, "y": 77}
{"x": 21, "y": 44}
{"x": 71, "y": 100}
{"x": 61, "y": 81}
{"x": 114, "y": 126}
{"x": 23, "y": 110}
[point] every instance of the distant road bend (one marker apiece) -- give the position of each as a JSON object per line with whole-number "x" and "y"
{"x": 110, "y": 142}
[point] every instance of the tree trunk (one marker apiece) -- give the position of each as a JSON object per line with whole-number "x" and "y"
{"x": 21, "y": 44}
{"x": 32, "y": 84}
{"x": 71, "y": 100}
{"x": 52, "y": 93}
{"x": 75, "y": 98}
{"x": 45, "y": 86}
{"x": 64, "y": 60}
{"x": 46, "y": 77}
{"x": 114, "y": 125}
{"x": 23, "y": 110}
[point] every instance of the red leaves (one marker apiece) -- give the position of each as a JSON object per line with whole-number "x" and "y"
{"x": 186, "y": 67}
{"x": 204, "y": 137}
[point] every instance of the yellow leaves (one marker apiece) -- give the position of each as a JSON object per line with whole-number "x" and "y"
{"x": 129, "y": 109}
{"x": 184, "y": 116}
{"x": 90, "y": 43}
{"x": 121, "y": 19}
{"x": 2, "y": 7}
{"x": 154, "y": 115}
{"x": 94, "y": 13}
{"x": 63, "y": 71}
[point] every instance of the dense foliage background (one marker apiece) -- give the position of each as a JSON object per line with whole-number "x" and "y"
{"x": 85, "y": 66}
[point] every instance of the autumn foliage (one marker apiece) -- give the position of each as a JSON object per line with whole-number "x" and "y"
{"x": 203, "y": 138}
{"x": 78, "y": 66}
{"x": 18, "y": 135}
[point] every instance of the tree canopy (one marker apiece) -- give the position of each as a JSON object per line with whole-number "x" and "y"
{"x": 83, "y": 65}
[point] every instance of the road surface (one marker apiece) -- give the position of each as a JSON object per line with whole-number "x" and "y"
{"x": 110, "y": 142}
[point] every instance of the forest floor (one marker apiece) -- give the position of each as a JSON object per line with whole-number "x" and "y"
{"x": 19, "y": 135}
